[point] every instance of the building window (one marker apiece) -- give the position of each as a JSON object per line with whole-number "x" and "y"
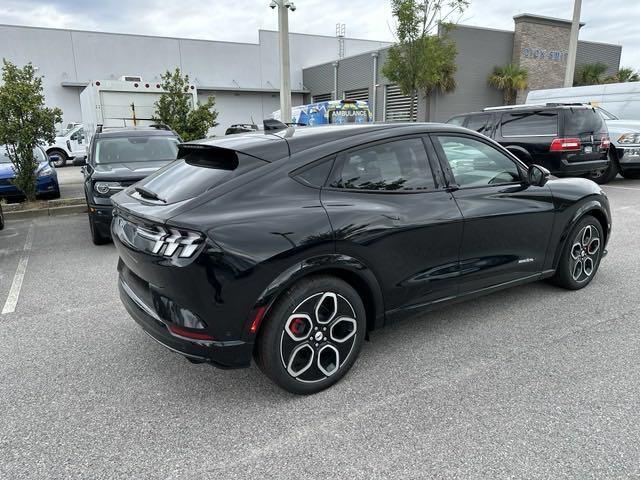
{"x": 397, "y": 106}
{"x": 324, "y": 97}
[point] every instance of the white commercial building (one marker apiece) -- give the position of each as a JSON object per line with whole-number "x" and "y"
{"x": 243, "y": 77}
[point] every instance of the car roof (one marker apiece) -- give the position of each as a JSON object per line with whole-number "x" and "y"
{"x": 270, "y": 145}
{"x": 136, "y": 132}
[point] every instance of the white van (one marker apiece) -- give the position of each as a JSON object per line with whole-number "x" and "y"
{"x": 620, "y": 99}
{"x": 619, "y": 104}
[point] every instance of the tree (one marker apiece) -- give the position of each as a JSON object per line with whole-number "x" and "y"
{"x": 590, "y": 74}
{"x": 624, "y": 75}
{"x": 175, "y": 109}
{"x": 421, "y": 60}
{"x": 25, "y": 122}
{"x": 511, "y": 79}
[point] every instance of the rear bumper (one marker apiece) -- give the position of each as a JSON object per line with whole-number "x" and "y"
{"x": 580, "y": 168}
{"x": 232, "y": 354}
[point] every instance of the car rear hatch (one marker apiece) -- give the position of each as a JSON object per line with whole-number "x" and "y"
{"x": 585, "y": 137}
{"x": 201, "y": 168}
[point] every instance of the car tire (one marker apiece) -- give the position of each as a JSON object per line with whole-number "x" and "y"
{"x": 602, "y": 177}
{"x": 96, "y": 236}
{"x": 312, "y": 335}
{"x": 1, "y": 219}
{"x": 631, "y": 174}
{"x": 581, "y": 255}
{"x": 63, "y": 157}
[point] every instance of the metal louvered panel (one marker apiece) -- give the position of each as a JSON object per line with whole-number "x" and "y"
{"x": 397, "y": 106}
{"x": 359, "y": 94}
{"x": 325, "y": 97}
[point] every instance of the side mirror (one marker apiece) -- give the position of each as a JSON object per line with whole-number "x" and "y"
{"x": 53, "y": 159}
{"x": 538, "y": 176}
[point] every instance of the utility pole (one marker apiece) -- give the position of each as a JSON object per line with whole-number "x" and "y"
{"x": 283, "y": 7}
{"x": 573, "y": 45}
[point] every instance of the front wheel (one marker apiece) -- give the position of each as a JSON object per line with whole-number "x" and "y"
{"x": 96, "y": 237}
{"x": 580, "y": 258}
{"x": 62, "y": 158}
{"x": 313, "y": 335}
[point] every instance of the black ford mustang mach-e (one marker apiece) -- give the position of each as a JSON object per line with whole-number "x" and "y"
{"x": 290, "y": 245}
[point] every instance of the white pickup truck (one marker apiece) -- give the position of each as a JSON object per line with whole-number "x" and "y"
{"x": 71, "y": 143}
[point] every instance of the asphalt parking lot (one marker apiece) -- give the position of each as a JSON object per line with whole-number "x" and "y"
{"x": 534, "y": 382}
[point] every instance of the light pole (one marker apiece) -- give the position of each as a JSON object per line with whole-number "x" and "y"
{"x": 283, "y": 7}
{"x": 573, "y": 45}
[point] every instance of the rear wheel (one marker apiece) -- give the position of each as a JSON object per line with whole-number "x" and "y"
{"x": 631, "y": 174}
{"x": 313, "y": 335}
{"x": 605, "y": 175}
{"x": 62, "y": 161}
{"x": 580, "y": 258}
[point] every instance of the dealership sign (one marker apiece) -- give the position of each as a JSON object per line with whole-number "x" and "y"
{"x": 541, "y": 54}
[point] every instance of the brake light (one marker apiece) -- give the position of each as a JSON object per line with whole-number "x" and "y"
{"x": 606, "y": 143}
{"x": 190, "y": 334}
{"x": 565, "y": 145}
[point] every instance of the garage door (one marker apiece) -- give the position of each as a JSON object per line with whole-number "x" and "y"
{"x": 397, "y": 107}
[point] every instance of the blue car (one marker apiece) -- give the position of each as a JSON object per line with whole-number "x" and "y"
{"x": 46, "y": 176}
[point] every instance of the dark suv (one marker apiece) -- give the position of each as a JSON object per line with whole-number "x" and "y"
{"x": 117, "y": 159}
{"x": 568, "y": 140}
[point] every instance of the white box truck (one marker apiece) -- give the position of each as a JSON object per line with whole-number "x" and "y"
{"x": 127, "y": 102}
{"x": 619, "y": 104}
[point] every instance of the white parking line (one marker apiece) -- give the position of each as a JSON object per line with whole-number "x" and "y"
{"x": 623, "y": 188}
{"x": 18, "y": 278}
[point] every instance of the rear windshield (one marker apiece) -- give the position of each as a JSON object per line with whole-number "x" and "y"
{"x": 198, "y": 172}
{"x": 582, "y": 121}
{"x": 136, "y": 149}
{"x": 527, "y": 124}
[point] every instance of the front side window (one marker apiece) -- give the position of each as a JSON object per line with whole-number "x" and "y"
{"x": 401, "y": 165}
{"x": 527, "y": 124}
{"x": 136, "y": 149}
{"x": 476, "y": 164}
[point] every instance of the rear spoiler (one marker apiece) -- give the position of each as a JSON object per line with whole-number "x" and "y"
{"x": 208, "y": 156}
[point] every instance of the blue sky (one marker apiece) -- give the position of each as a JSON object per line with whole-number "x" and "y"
{"x": 239, "y": 20}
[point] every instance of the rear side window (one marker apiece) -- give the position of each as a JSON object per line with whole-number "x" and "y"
{"x": 401, "y": 165}
{"x": 527, "y": 124}
{"x": 198, "y": 171}
{"x": 479, "y": 123}
{"x": 582, "y": 121}
{"x": 315, "y": 175}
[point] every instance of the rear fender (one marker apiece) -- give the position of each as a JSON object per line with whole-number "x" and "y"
{"x": 348, "y": 268}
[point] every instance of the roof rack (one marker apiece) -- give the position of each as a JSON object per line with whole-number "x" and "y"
{"x": 537, "y": 105}
{"x": 160, "y": 126}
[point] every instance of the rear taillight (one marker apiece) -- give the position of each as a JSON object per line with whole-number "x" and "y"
{"x": 565, "y": 145}
{"x": 606, "y": 143}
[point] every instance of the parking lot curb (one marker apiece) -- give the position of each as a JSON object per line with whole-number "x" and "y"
{"x": 45, "y": 212}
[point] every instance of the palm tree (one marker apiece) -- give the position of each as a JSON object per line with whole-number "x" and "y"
{"x": 510, "y": 79}
{"x": 590, "y": 74}
{"x": 627, "y": 75}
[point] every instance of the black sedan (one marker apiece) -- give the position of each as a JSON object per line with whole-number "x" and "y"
{"x": 291, "y": 246}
